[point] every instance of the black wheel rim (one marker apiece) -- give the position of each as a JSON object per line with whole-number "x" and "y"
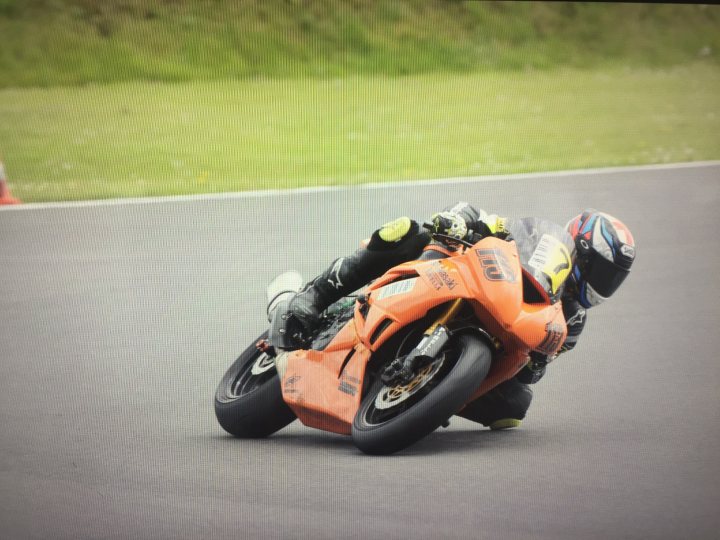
{"x": 373, "y": 416}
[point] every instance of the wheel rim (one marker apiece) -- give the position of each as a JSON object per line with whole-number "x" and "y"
{"x": 391, "y": 402}
{"x": 263, "y": 363}
{"x": 389, "y": 397}
{"x": 251, "y": 376}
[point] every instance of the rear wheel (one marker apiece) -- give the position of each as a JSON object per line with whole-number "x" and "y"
{"x": 248, "y": 400}
{"x": 393, "y": 418}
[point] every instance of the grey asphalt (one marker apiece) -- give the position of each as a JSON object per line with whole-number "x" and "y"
{"x": 117, "y": 322}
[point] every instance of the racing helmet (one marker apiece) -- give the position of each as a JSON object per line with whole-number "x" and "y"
{"x": 605, "y": 252}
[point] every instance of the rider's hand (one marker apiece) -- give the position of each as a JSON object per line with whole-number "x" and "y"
{"x": 534, "y": 369}
{"x": 450, "y": 224}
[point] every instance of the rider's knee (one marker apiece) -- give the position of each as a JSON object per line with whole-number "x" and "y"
{"x": 394, "y": 234}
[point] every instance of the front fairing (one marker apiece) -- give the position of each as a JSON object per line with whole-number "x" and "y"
{"x": 489, "y": 276}
{"x": 404, "y": 295}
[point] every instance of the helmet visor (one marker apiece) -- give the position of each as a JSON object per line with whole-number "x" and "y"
{"x": 604, "y": 276}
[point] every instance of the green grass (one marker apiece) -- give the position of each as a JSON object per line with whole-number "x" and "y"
{"x": 118, "y": 98}
{"x": 142, "y": 139}
{"x": 66, "y": 42}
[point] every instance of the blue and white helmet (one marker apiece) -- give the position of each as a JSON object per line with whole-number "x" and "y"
{"x": 605, "y": 252}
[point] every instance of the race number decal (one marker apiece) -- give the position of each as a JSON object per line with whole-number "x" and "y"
{"x": 552, "y": 258}
{"x": 399, "y": 287}
{"x": 496, "y": 266}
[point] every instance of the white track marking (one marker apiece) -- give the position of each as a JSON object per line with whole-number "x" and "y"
{"x": 371, "y": 186}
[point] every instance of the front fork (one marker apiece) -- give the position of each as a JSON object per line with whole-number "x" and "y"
{"x": 446, "y": 316}
{"x": 402, "y": 370}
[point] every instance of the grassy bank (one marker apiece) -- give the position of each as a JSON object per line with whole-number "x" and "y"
{"x": 115, "y": 98}
{"x": 136, "y": 139}
{"x": 66, "y": 42}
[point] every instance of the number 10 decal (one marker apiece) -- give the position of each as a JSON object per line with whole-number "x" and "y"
{"x": 496, "y": 266}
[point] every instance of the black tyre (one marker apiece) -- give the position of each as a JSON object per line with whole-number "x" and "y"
{"x": 248, "y": 400}
{"x": 390, "y": 419}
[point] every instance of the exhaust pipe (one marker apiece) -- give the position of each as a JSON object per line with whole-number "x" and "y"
{"x": 281, "y": 289}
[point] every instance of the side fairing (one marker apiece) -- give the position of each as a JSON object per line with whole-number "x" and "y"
{"x": 494, "y": 268}
{"x": 324, "y": 388}
{"x": 395, "y": 304}
{"x": 489, "y": 275}
{"x": 497, "y": 290}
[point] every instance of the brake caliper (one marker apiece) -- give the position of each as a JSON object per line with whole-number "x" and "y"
{"x": 401, "y": 371}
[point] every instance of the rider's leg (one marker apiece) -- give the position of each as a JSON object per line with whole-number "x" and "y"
{"x": 390, "y": 245}
{"x": 502, "y": 407}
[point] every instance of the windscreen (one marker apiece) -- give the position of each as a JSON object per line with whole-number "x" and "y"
{"x": 546, "y": 252}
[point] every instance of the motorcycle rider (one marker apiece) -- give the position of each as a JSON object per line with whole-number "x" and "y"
{"x": 604, "y": 252}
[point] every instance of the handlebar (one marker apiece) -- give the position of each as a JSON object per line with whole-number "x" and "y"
{"x": 446, "y": 239}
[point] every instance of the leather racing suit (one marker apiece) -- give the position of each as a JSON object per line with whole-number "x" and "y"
{"x": 402, "y": 240}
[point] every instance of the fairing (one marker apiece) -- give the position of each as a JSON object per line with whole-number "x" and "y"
{"x": 324, "y": 387}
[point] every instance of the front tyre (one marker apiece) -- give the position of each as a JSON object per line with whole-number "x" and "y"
{"x": 248, "y": 400}
{"x": 390, "y": 419}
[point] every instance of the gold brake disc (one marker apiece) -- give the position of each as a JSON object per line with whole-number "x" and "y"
{"x": 390, "y": 396}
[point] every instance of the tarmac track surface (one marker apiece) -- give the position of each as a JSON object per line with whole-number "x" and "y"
{"x": 118, "y": 322}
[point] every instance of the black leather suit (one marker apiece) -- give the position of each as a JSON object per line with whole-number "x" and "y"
{"x": 510, "y": 399}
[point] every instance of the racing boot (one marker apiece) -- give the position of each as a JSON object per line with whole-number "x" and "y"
{"x": 282, "y": 289}
{"x": 503, "y": 407}
{"x": 395, "y": 242}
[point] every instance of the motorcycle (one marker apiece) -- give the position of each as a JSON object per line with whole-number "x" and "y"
{"x": 393, "y": 363}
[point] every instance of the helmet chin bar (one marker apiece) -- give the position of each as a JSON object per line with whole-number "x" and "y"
{"x": 592, "y": 298}
{"x": 605, "y": 252}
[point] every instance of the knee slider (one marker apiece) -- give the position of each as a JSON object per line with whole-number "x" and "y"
{"x": 393, "y": 233}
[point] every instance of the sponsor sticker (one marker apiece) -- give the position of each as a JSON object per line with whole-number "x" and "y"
{"x": 349, "y": 384}
{"x": 289, "y": 386}
{"x": 552, "y": 258}
{"x": 439, "y": 277}
{"x": 347, "y": 388}
{"x": 553, "y": 338}
{"x": 399, "y": 287}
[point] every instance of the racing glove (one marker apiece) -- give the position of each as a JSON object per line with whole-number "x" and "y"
{"x": 534, "y": 370}
{"x": 450, "y": 224}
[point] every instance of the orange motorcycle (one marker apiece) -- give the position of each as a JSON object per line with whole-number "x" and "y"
{"x": 395, "y": 362}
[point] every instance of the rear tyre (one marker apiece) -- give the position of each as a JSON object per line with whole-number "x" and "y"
{"x": 248, "y": 400}
{"x": 390, "y": 419}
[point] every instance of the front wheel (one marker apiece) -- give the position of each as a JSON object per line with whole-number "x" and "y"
{"x": 248, "y": 400}
{"x": 390, "y": 419}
